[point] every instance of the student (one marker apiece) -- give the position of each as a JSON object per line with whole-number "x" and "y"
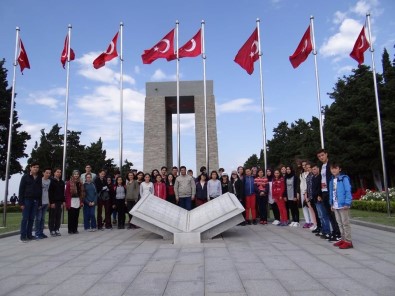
{"x": 56, "y": 202}
{"x": 322, "y": 155}
{"x": 88, "y": 170}
{"x": 201, "y": 190}
{"x": 236, "y": 187}
{"x": 120, "y": 194}
{"x": 340, "y": 199}
{"x": 272, "y": 202}
{"x": 30, "y": 192}
{"x": 303, "y": 195}
{"x": 250, "y": 198}
{"x": 310, "y": 202}
{"x": 146, "y": 187}
{"x": 240, "y": 172}
{"x": 262, "y": 192}
{"x": 103, "y": 201}
{"x": 163, "y": 173}
{"x": 160, "y": 188}
{"x": 74, "y": 200}
{"x": 224, "y": 183}
{"x": 41, "y": 210}
{"x": 171, "y": 196}
{"x": 278, "y": 188}
{"x": 185, "y": 189}
{"x": 90, "y": 201}
{"x": 292, "y": 196}
{"x": 132, "y": 196}
{"x": 214, "y": 186}
{"x": 154, "y": 173}
{"x": 174, "y": 171}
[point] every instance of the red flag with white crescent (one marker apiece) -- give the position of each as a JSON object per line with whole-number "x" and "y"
{"x": 63, "y": 57}
{"x": 23, "y": 61}
{"x": 360, "y": 46}
{"x": 163, "y": 49}
{"x": 249, "y": 53}
{"x": 191, "y": 49}
{"x": 108, "y": 55}
{"x": 303, "y": 50}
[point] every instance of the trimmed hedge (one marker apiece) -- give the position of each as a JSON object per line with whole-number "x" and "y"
{"x": 372, "y": 206}
{"x": 11, "y": 209}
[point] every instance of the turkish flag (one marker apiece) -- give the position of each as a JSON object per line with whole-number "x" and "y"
{"x": 23, "y": 61}
{"x": 108, "y": 55}
{"x": 191, "y": 49}
{"x": 249, "y": 53}
{"x": 163, "y": 49}
{"x": 360, "y": 46}
{"x": 63, "y": 57}
{"x": 303, "y": 50}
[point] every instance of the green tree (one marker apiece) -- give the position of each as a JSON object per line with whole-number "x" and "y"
{"x": 127, "y": 166}
{"x": 252, "y": 161}
{"x": 19, "y": 138}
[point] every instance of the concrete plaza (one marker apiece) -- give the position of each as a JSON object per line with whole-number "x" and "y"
{"x": 251, "y": 260}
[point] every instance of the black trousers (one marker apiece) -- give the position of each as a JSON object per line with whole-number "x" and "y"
{"x": 276, "y": 212}
{"x": 55, "y": 215}
{"x": 292, "y": 206}
{"x": 73, "y": 215}
{"x": 120, "y": 204}
{"x": 130, "y": 204}
{"x": 332, "y": 218}
{"x": 262, "y": 204}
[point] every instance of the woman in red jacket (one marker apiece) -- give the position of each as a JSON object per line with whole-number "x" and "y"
{"x": 278, "y": 191}
{"x": 160, "y": 187}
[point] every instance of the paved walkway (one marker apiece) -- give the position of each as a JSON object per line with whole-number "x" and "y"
{"x": 251, "y": 260}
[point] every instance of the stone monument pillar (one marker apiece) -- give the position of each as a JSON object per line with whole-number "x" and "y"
{"x": 160, "y": 104}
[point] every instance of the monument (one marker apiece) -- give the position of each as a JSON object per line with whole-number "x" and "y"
{"x": 160, "y": 105}
{"x": 188, "y": 227}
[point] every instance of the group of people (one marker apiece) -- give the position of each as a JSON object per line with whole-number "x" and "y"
{"x": 322, "y": 192}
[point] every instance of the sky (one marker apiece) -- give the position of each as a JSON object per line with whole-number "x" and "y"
{"x": 289, "y": 94}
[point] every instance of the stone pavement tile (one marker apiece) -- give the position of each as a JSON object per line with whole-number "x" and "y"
{"x": 375, "y": 281}
{"x": 318, "y": 269}
{"x": 148, "y": 283}
{"x": 116, "y": 255}
{"x": 41, "y": 267}
{"x": 216, "y": 252}
{"x": 321, "y": 292}
{"x": 224, "y": 281}
{"x": 218, "y": 264}
{"x": 225, "y": 294}
{"x": 190, "y": 257}
{"x": 267, "y": 251}
{"x": 136, "y": 259}
{"x": 31, "y": 289}
{"x": 193, "y": 249}
{"x": 81, "y": 260}
{"x": 187, "y": 272}
{"x": 252, "y": 271}
{"x": 122, "y": 274}
{"x": 7, "y": 285}
{"x": 264, "y": 287}
{"x": 380, "y": 266}
{"x": 165, "y": 254}
{"x": 9, "y": 270}
{"x": 29, "y": 261}
{"x": 346, "y": 286}
{"x": 338, "y": 261}
{"x": 66, "y": 255}
{"x": 159, "y": 265}
{"x": 146, "y": 248}
{"x": 321, "y": 249}
{"x": 77, "y": 284}
{"x": 190, "y": 288}
{"x": 296, "y": 280}
{"x": 244, "y": 255}
{"x": 388, "y": 257}
{"x": 107, "y": 289}
{"x": 98, "y": 266}
{"x": 56, "y": 276}
{"x": 278, "y": 262}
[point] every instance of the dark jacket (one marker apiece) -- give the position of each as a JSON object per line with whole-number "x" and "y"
{"x": 296, "y": 186}
{"x": 316, "y": 187}
{"x": 249, "y": 187}
{"x": 30, "y": 187}
{"x": 56, "y": 191}
{"x": 237, "y": 189}
{"x": 201, "y": 192}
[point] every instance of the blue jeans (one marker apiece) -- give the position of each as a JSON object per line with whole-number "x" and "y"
{"x": 89, "y": 217}
{"x": 28, "y": 218}
{"x": 40, "y": 219}
{"x": 185, "y": 203}
{"x": 323, "y": 215}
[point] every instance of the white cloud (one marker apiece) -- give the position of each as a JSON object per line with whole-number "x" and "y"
{"x": 34, "y": 130}
{"x": 365, "y": 6}
{"x": 137, "y": 69}
{"x": 51, "y": 98}
{"x": 344, "y": 70}
{"x": 159, "y": 75}
{"x": 339, "y": 17}
{"x": 237, "y": 106}
{"x": 105, "y": 74}
{"x": 341, "y": 43}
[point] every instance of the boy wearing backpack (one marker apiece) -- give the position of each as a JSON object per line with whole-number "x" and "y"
{"x": 340, "y": 200}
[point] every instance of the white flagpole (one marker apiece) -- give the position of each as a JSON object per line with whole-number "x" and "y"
{"x": 67, "y": 105}
{"x": 205, "y": 96}
{"x": 262, "y": 97}
{"x": 121, "y": 103}
{"x": 7, "y": 169}
{"x": 376, "y": 95}
{"x": 178, "y": 103}
{"x": 317, "y": 84}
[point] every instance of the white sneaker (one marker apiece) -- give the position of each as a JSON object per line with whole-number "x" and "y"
{"x": 296, "y": 224}
{"x": 292, "y": 224}
{"x": 314, "y": 227}
{"x": 276, "y": 222}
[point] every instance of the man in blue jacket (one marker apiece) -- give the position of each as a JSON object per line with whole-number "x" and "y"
{"x": 30, "y": 192}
